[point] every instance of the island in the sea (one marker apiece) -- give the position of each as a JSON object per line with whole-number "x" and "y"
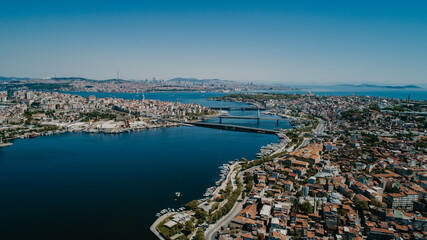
{"x": 380, "y": 86}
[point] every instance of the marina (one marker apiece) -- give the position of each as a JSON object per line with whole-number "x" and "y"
{"x": 271, "y": 148}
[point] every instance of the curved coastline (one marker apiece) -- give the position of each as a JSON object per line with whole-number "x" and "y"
{"x": 84, "y": 144}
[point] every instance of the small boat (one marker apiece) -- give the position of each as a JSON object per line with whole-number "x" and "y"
{"x": 178, "y": 194}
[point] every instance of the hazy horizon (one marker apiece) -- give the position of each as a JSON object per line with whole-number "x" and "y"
{"x": 290, "y": 84}
{"x": 304, "y": 42}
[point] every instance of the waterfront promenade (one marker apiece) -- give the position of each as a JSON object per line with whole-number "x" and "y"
{"x": 153, "y": 227}
{"x": 213, "y": 228}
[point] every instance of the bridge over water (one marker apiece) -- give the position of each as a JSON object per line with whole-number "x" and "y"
{"x": 249, "y": 117}
{"x": 238, "y": 108}
{"x": 233, "y": 127}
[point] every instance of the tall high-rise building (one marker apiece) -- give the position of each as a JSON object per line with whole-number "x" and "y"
{"x": 10, "y": 94}
{"x": 28, "y": 95}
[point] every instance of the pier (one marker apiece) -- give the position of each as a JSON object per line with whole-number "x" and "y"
{"x": 233, "y": 127}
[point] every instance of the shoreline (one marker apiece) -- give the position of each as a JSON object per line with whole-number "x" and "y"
{"x": 87, "y": 131}
{"x": 233, "y": 169}
{"x": 86, "y": 127}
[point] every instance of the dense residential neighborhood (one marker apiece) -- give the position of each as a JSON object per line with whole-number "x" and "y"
{"x": 350, "y": 168}
{"x": 34, "y": 113}
{"x": 365, "y": 178}
{"x": 358, "y": 171}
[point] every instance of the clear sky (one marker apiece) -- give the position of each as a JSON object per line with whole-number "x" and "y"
{"x": 264, "y": 41}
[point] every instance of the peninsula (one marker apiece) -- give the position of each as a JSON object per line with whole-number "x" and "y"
{"x": 26, "y": 114}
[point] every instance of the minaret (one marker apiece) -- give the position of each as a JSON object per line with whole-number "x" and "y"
{"x": 315, "y": 203}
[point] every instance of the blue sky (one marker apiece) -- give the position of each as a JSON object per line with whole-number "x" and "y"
{"x": 261, "y": 41}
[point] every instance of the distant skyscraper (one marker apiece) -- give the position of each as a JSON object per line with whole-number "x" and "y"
{"x": 28, "y": 95}
{"x": 9, "y": 94}
{"x": 143, "y": 97}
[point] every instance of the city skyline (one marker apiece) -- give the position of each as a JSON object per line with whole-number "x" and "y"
{"x": 288, "y": 43}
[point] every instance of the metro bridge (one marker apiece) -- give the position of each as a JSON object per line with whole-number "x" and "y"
{"x": 238, "y": 108}
{"x": 253, "y": 118}
{"x": 233, "y": 127}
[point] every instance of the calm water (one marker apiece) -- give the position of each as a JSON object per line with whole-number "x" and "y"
{"x": 416, "y": 94}
{"x": 81, "y": 186}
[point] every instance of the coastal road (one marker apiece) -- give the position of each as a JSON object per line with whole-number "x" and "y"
{"x": 211, "y": 231}
{"x": 225, "y": 220}
{"x": 304, "y": 143}
{"x": 320, "y": 127}
{"x": 154, "y": 225}
{"x": 230, "y": 176}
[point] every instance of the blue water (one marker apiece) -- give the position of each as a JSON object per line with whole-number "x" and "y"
{"x": 81, "y": 186}
{"x": 416, "y": 94}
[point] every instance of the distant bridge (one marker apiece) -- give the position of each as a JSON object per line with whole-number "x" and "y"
{"x": 253, "y": 118}
{"x": 233, "y": 127}
{"x": 238, "y": 108}
{"x": 406, "y": 112}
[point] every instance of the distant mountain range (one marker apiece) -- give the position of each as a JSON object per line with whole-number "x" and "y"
{"x": 189, "y": 80}
{"x": 378, "y": 86}
{"x": 14, "y": 78}
{"x": 70, "y": 79}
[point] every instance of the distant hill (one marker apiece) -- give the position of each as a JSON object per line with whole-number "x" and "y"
{"x": 14, "y": 79}
{"x": 113, "y": 80}
{"x": 72, "y": 79}
{"x": 378, "y": 86}
{"x": 69, "y": 78}
{"x": 66, "y": 79}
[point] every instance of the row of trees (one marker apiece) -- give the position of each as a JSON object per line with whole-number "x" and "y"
{"x": 256, "y": 162}
{"x": 96, "y": 115}
{"x": 249, "y": 182}
{"x": 227, "y": 206}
